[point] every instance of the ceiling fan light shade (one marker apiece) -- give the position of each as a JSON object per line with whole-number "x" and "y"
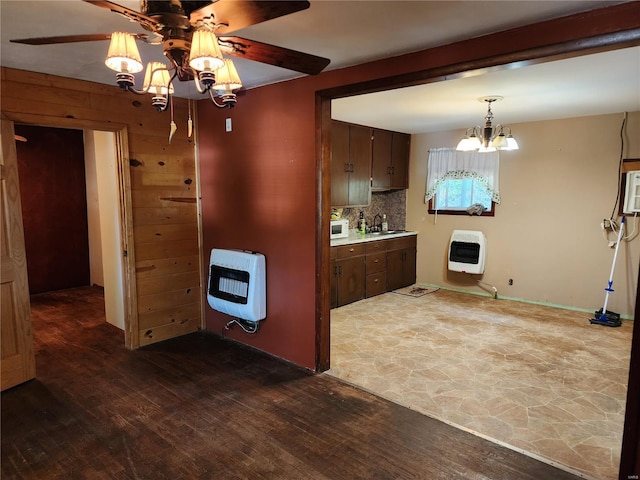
{"x": 205, "y": 54}
{"x": 227, "y": 77}
{"x": 123, "y": 55}
{"x": 157, "y": 80}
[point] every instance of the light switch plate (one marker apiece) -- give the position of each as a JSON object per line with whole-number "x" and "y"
{"x": 227, "y": 125}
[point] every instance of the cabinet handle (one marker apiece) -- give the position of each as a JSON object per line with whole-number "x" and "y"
{"x": 376, "y": 261}
{"x": 376, "y": 281}
{"x": 389, "y": 170}
{"x": 393, "y": 171}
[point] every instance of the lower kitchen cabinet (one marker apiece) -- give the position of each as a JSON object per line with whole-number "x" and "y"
{"x": 362, "y": 270}
{"x": 376, "y": 268}
{"x": 347, "y": 274}
{"x": 401, "y": 262}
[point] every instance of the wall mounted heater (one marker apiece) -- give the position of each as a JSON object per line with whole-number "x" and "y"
{"x": 467, "y": 251}
{"x": 237, "y": 284}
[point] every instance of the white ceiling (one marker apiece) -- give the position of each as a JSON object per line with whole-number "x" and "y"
{"x": 354, "y": 32}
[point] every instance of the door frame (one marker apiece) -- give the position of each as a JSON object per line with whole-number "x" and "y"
{"x": 121, "y": 137}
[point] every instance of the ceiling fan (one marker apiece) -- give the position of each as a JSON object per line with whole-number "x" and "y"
{"x": 176, "y": 24}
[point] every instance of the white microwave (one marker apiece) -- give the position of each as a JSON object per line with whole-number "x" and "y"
{"x": 339, "y": 229}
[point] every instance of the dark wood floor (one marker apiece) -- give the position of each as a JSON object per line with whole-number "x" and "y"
{"x": 199, "y": 407}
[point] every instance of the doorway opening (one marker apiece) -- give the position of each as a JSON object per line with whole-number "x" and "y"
{"x": 71, "y": 212}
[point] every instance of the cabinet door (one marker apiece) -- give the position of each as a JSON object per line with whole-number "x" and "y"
{"x": 334, "y": 284}
{"x": 400, "y": 146}
{"x": 409, "y": 267}
{"x": 351, "y": 280}
{"x": 395, "y": 270}
{"x": 381, "y": 159}
{"x": 340, "y": 165}
{"x": 360, "y": 159}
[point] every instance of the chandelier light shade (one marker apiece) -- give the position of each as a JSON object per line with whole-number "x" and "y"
{"x": 123, "y": 55}
{"x": 157, "y": 80}
{"x": 205, "y": 54}
{"x": 227, "y": 77}
{"x": 488, "y": 138}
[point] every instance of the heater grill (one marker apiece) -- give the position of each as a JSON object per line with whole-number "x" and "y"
{"x": 467, "y": 251}
{"x": 237, "y": 284}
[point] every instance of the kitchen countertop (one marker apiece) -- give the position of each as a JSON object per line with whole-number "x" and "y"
{"x": 369, "y": 237}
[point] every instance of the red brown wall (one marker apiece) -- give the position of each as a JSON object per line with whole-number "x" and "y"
{"x": 54, "y": 207}
{"x": 258, "y": 188}
{"x": 259, "y": 181}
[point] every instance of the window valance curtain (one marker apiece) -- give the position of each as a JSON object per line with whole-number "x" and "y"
{"x": 446, "y": 163}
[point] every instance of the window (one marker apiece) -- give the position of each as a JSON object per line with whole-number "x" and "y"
{"x": 458, "y": 180}
{"x": 456, "y": 195}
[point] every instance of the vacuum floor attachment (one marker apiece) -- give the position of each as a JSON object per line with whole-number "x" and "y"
{"x": 608, "y": 319}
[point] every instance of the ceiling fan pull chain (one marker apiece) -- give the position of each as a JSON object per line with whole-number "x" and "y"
{"x": 174, "y": 127}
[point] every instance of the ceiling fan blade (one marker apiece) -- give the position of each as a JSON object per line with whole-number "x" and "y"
{"x": 92, "y": 37}
{"x": 147, "y": 22}
{"x": 273, "y": 55}
{"x": 236, "y": 14}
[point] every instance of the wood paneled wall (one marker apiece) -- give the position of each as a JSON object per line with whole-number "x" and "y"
{"x": 162, "y": 180}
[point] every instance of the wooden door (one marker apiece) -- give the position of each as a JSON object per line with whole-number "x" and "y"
{"x": 351, "y": 280}
{"x": 381, "y": 159}
{"x": 360, "y": 159}
{"x": 400, "y": 160}
{"x": 17, "y": 360}
{"x": 339, "y": 164}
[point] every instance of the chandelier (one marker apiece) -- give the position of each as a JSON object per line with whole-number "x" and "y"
{"x": 212, "y": 73}
{"x": 488, "y": 138}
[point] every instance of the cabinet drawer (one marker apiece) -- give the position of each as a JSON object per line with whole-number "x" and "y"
{"x": 375, "y": 247}
{"x": 400, "y": 243}
{"x": 353, "y": 250}
{"x": 376, "y": 284}
{"x": 376, "y": 262}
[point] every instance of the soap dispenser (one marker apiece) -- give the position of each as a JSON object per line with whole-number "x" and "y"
{"x": 385, "y": 224}
{"x": 362, "y": 225}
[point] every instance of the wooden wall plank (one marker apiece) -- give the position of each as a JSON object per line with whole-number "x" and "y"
{"x": 169, "y": 197}
{"x": 166, "y": 250}
{"x": 180, "y": 314}
{"x": 166, "y": 266}
{"x": 173, "y": 215}
{"x": 165, "y": 332}
{"x": 163, "y": 233}
{"x": 151, "y": 285}
{"x": 161, "y": 301}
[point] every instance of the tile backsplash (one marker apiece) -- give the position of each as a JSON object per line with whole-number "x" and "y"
{"x": 392, "y": 202}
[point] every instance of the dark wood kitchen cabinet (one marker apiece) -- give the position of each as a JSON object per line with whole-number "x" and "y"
{"x": 350, "y": 165}
{"x": 401, "y": 262}
{"x": 376, "y": 268}
{"x": 362, "y": 270}
{"x": 347, "y": 274}
{"x": 390, "y": 160}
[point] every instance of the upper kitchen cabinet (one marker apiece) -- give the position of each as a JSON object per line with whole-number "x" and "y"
{"x": 390, "y": 160}
{"x": 350, "y": 165}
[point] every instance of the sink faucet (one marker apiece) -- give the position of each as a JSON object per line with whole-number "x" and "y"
{"x": 377, "y": 226}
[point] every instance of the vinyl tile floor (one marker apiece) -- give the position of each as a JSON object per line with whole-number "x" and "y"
{"x": 541, "y": 380}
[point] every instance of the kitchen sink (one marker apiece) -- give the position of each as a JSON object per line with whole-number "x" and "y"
{"x": 388, "y": 232}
